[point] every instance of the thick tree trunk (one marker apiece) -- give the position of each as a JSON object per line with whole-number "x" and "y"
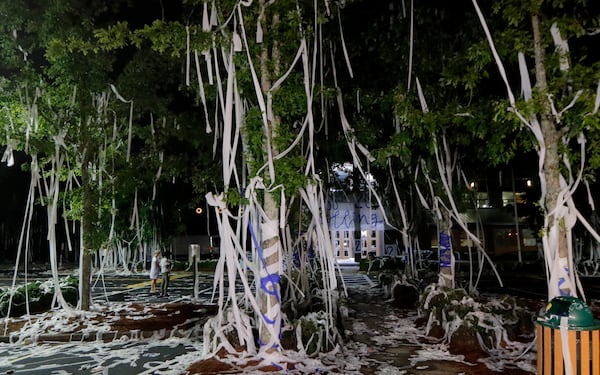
{"x": 270, "y": 275}
{"x": 551, "y": 136}
{"x": 85, "y": 264}
{"x": 84, "y": 281}
{"x": 446, "y": 256}
{"x": 551, "y": 173}
{"x": 271, "y": 270}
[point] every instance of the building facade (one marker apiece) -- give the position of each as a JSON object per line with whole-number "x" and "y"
{"x": 357, "y": 230}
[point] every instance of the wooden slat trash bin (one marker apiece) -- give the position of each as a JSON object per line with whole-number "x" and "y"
{"x": 568, "y": 337}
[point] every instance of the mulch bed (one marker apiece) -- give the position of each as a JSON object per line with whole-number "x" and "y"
{"x": 120, "y": 319}
{"x": 214, "y": 365}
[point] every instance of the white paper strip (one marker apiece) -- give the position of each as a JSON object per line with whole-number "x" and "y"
{"x": 344, "y": 49}
{"x": 187, "y": 55}
{"x": 525, "y": 82}
{"x": 494, "y": 53}
{"x": 562, "y": 47}
{"x": 205, "y": 18}
{"x": 421, "y": 96}
{"x": 410, "y": 43}
{"x": 202, "y": 94}
{"x": 114, "y": 89}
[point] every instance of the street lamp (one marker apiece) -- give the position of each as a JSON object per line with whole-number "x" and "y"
{"x": 195, "y": 257}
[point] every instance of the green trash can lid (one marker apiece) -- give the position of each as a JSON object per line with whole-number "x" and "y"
{"x": 578, "y": 314}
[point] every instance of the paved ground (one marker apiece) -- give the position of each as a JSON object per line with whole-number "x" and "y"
{"x": 122, "y": 358}
{"x": 137, "y": 288}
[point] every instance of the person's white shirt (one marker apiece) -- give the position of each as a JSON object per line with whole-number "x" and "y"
{"x": 165, "y": 265}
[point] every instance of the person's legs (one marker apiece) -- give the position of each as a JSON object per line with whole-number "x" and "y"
{"x": 165, "y": 284}
{"x": 167, "y": 280}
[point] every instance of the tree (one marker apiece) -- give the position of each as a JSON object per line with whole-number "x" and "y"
{"x": 264, "y": 86}
{"x": 433, "y": 113}
{"x": 275, "y": 78}
{"x": 59, "y": 88}
{"x": 561, "y": 106}
{"x": 58, "y": 122}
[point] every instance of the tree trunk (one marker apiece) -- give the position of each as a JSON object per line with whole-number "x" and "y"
{"x": 551, "y": 173}
{"x": 446, "y": 256}
{"x": 271, "y": 270}
{"x": 85, "y": 264}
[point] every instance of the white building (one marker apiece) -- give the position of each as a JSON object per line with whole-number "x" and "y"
{"x": 348, "y": 218}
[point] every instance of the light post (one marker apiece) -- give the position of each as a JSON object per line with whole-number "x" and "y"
{"x": 194, "y": 256}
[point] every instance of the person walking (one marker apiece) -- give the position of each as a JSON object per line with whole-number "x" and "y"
{"x": 154, "y": 271}
{"x": 165, "y": 269}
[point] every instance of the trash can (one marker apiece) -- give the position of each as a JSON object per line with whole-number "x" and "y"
{"x": 568, "y": 336}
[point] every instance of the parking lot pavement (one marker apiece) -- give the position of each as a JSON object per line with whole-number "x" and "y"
{"x": 136, "y": 357}
{"x": 112, "y": 287}
{"x": 137, "y": 288}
